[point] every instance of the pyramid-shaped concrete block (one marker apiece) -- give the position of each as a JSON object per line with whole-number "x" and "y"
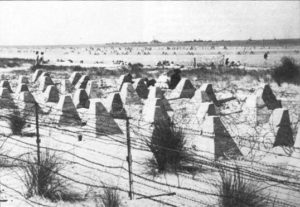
{"x": 66, "y": 86}
{"x": 6, "y": 101}
{"x": 51, "y": 94}
{"x": 205, "y": 94}
{"x": 36, "y": 75}
{"x": 213, "y": 126}
{"x": 184, "y": 89}
{"x": 45, "y": 81}
{"x": 281, "y": 127}
{"x": 26, "y": 102}
{"x": 266, "y": 97}
{"x": 66, "y": 113}
{"x": 81, "y": 99}
{"x": 92, "y": 89}
{"x": 154, "y": 111}
{"x": 129, "y": 95}
{"x": 44, "y": 74}
{"x": 26, "y": 97}
{"x": 280, "y": 117}
{"x": 155, "y": 92}
{"x": 81, "y": 84}
{"x": 127, "y": 78}
{"x": 74, "y": 78}
{"x": 100, "y": 122}
{"x": 205, "y": 109}
{"x": 256, "y": 113}
{"x": 23, "y": 80}
{"x": 225, "y": 146}
{"x": 21, "y": 87}
{"x": 5, "y": 84}
{"x": 114, "y": 105}
{"x": 140, "y": 87}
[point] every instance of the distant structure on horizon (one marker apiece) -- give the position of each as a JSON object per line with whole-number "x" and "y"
{"x": 250, "y": 42}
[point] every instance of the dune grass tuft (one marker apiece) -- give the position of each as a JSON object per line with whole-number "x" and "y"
{"x": 44, "y": 179}
{"x": 168, "y": 147}
{"x": 235, "y": 190}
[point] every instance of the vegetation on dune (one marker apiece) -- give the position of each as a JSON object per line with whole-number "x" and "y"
{"x": 288, "y": 71}
{"x": 95, "y": 72}
{"x": 14, "y": 62}
{"x": 223, "y": 74}
{"x": 16, "y": 122}
{"x": 136, "y": 69}
{"x": 110, "y": 197}
{"x": 44, "y": 179}
{"x": 235, "y": 190}
{"x": 168, "y": 147}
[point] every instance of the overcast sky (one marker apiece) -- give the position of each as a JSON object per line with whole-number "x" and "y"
{"x": 40, "y": 23}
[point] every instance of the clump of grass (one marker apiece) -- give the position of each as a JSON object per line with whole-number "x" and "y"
{"x": 235, "y": 190}
{"x": 110, "y": 198}
{"x": 224, "y": 74}
{"x": 44, "y": 180}
{"x": 288, "y": 71}
{"x": 17, "y": 122}
{"x": 168, "y": 147}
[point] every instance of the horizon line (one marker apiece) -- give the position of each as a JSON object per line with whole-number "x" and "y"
{"x": 149, "y": 42}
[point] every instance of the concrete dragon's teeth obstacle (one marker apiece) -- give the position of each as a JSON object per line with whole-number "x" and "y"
{"x": 51, "y": 94}
{"x": 66, "y": 113}
{"x": 45, "y": 81}
{"x": 129, "y": 95}
{"x": 100, "y": 122}
{"x": 114, "y": 105}
{"x": 74, "y": 78}
{"x": 184, "y": 89}
{"x": 81, "y": 99}
{"x": 281, "y": 127}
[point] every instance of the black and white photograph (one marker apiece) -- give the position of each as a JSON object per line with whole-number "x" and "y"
{"x": 149, "y": 103}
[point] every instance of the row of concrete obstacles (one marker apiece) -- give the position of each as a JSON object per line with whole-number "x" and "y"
{"x": 213, "y": 139}
{"x": 65, "y": 112}
{"x": 264, "y": 99}
{"x": 156, "y": 106}
{"x": 85, "y": 88}
{"x": 263, "y": 108}
{"x": 184, "y": 89}
{"x": 100, "y": 113}
{"x": 100, "y": 121}
{"x": 260, "y": 105}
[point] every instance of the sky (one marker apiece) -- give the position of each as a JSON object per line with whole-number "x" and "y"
{"x": 95, "y": 22}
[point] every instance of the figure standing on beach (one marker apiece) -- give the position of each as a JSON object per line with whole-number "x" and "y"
{"x": 42, "y": 58}
{"x": 266, "y": 55}
{"x": 37, "y": 59}
{"x": 227, "y": 61}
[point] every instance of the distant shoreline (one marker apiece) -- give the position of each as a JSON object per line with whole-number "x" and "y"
{"x": 155, "y": 43}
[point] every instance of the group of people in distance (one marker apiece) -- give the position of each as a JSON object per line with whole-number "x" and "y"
{"x": 39, "y": 59}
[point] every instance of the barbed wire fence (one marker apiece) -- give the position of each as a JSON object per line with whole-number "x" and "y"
{"x": 144, "y": 186}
